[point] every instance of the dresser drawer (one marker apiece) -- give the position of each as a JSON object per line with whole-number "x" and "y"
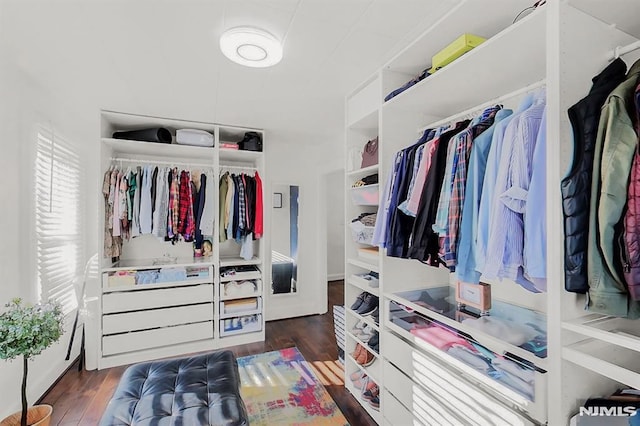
{"x": 147, "y": 339}
{"x": 397, "y": 412}
{"x": 425, "y": 405}
{"x": 156, "y": 298}
{"x": 454, "y": 389}
{"x": 142, "y": 320}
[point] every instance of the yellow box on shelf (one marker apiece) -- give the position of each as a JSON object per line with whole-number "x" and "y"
{"x": 454, "y": 50}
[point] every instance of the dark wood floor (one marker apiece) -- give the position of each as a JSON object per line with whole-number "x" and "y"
{"x": 79, "y": 398}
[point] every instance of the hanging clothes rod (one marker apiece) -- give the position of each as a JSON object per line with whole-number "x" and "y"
{"x": 169, "y": 163}
{"x": 473, "y": 112}
{"x": 623, "y": 50}
{"x": 223, "y": 167}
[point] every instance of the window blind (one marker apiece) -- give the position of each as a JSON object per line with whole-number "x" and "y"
{"x": 58, "y": 219}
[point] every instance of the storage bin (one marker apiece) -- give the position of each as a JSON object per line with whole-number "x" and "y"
{"x": 453, "y": 51}
{"x": 365, "y": 195}
{"x": 361, "y": 233}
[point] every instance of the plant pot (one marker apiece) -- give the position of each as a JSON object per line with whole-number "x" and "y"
{"x": 38, "y": 415}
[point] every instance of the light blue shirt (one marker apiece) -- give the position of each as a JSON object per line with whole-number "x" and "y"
{"x": 506, "y": 226}
{"x": 490, "y": 176}
{"x": 535, "y": 214}
{"x": 419, "y": 155}
{"x": 466, "y": 268}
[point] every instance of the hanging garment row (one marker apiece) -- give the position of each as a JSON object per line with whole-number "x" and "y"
{"x": 601, "y": 194}
{"x": 461, "y": 196}
{"x": 241, "y": 210}
{"x": 171, "y": 204}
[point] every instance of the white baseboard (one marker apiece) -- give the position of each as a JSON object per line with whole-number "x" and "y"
{"x": 335, "y": 277}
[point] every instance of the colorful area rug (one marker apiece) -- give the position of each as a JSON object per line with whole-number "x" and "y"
{"x": 281, "y": 388}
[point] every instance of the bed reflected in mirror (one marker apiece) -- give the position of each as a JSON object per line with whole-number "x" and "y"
{"x": 284, "y": 239}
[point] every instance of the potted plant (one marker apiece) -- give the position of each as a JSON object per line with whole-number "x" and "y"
{"x": 26, "y": 331}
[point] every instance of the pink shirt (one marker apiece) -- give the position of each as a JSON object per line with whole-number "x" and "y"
{"x": 416, "y": 192}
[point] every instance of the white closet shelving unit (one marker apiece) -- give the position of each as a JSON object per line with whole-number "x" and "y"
{"x": 560, "y": 47}
{"x": 140, "y": 322}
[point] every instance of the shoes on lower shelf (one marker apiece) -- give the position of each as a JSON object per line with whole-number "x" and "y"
{"x": 359, "y": 374}
{"x": 375, "y": 403}
{"x": 371, "y": 393}
{"x": 375, "y": 314}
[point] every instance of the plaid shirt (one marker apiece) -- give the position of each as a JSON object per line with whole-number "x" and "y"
{"x": 459, "y": 177}
{"x": 242, "y": 208}
{"x": 174, "y": 197}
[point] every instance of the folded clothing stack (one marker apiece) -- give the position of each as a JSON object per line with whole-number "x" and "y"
{"x": 163, "y": 275}
{"x": 424, "y": 74}
{"x": 367, "y": 219}
{"x": 241, "y": 288}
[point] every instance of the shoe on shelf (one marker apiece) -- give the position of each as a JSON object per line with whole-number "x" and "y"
{"x": 376, "y": 315}
{"x": 369, "y": 304}
{"x": 375, "y": 403}
{"x": 358, "y": 352}
{"x": 364, "y": 334}
{"x": 362, "y": 383}
{"x": 360, "y": 325}
{"x": 374, "y": 339}
{"x": 371, "y": 393}
{"x": 375, "y": 348}
{"x": 369, "y": 385}
{"x": 359, "y": 301}
{"x": 358, "y": 374}
{"x": 367, "y": 358}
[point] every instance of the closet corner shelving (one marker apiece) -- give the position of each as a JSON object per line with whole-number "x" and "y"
{"x": 558, "y": 47}
{"x": 137, "y": 321}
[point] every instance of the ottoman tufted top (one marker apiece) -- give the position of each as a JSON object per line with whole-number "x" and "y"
{"x": 198, "y": 390}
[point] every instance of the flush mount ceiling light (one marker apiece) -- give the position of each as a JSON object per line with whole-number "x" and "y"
{"x": 251, "y": 47}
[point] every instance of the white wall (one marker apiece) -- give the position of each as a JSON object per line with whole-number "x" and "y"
{"x": 25, "y": 105}
{"x": 335, "y": 224}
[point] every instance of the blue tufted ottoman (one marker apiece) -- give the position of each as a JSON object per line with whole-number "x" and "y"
{"x": 192, "y": 391}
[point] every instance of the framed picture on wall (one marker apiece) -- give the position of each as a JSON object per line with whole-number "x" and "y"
{"x": 277, "y": 200}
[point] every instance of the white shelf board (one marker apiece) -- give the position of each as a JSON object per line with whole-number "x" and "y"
{"x": 613, "y": 330}
{"x": 362, "y": 285}
{"x": 621, "y": 365}
{"x": 492, "y": 343}
{"x": 367, "y": 123}
{"x": 364, "y": 265}
{"x": 364, "y": 171}
{"x": 366, "y": 319}
{"x": 225, "y": 298}
{"x": 138, "y": 287}
{"x": 450, "y": 23}
{"x": 494, "y": 72}
{"x": 131, "y": 264}
{"x": 238, "y": 261}
{"x": 237, "y": 155}
{"x": 156, "y": 150}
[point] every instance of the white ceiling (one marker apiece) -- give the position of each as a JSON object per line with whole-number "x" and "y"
{"x": 161, "y": 57}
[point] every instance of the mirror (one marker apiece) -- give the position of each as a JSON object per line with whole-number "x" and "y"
{"x": 284, "y": 239}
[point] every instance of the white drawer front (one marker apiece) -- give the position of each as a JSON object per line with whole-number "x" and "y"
{"x": 139, "y": 340}
{"x": 424, "y": 406}
{"x": 445, "y": 385}
{"x": 158, "y": 298}
{"x": 398, "y": 414}
{"x": 142, "y": 320}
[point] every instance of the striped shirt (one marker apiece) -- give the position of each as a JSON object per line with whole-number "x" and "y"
{"x": 506, "y": 227}
{"x": 463, "y": 150}
{"x": 491, "y": 174}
